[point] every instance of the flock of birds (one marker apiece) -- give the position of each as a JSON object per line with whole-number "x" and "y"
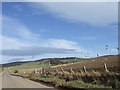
{"x": 87, "y": 54}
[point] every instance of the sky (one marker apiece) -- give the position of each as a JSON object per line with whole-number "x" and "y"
{"x": 35, "y": 30}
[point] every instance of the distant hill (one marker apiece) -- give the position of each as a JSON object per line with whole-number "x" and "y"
{"x": 61, "y": 60}
{"x": 13, "y": 64}
{"x": 40, "y": 61}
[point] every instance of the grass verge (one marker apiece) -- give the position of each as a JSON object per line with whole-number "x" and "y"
{"x": 1, "y": 70}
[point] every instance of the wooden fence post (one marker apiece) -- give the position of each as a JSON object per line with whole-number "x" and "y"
{"x": 35, "y": 71}
{"x": 49, "y": 63}
{"x": 84, "y": 68}
{"x": 71, "y": 70}
{"x": 44, "y": 72}
{"x": 105, "y": 66}
{"x": 41, "y": 72}
{"x": 62, "y": 70}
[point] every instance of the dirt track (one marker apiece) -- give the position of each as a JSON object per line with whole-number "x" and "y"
{"x": 9, "y": 81}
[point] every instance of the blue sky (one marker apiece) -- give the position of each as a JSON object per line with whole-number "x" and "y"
{"x": 41, "y": 30}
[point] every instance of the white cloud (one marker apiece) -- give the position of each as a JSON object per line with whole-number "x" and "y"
{"x": 62, "y": 43}
{"x": 13, "y": 27}
{"x": 37, "y": 50}
{"x": 15, "y": 48}
{"x": 92, "y": 13}
{"x": 15, "y": 34}
{"x": 12, "y": 43}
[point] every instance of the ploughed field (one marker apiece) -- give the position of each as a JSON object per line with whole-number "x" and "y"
{"x": 97, "y": 64}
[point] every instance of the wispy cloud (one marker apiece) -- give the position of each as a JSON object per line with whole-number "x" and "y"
{"x": 18, "y": 7}
{"x": 34, "y": 50}
{"x": 92, "y": 13}
{"x": 62, "y": 43}
{"x": 13, "y": 43}
{"x": 13, "y": 27}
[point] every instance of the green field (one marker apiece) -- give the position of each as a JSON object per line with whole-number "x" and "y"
{"x": 30, "y": 65}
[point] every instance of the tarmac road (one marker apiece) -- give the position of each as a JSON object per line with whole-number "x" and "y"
{"x": 9, "y": 81}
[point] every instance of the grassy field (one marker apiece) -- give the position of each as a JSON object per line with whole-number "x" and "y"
{"x": 30, "y": 65}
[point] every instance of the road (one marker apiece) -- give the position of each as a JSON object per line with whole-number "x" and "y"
{"x": 9, "y": 81}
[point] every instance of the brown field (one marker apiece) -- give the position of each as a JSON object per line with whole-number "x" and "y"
{"x": 96, "y": 64}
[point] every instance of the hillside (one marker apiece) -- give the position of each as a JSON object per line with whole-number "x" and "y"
{"x": 111, "y": 60}
{"x": 97, "y": 64}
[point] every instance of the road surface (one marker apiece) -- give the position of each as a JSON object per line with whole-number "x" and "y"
{"x": 9, "y": 81}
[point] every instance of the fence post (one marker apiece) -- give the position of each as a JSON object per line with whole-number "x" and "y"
{"x": 35, "y": 71}
{"x": 44, "y": 72}
{"x": 84, "y": 69}
{"x": 62, "y": 70}
{"x": 41, "y": 72}
{"x": 49, "y": 63}
{"x": 71, "y": 70}
{"x": 105, "y": 66}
